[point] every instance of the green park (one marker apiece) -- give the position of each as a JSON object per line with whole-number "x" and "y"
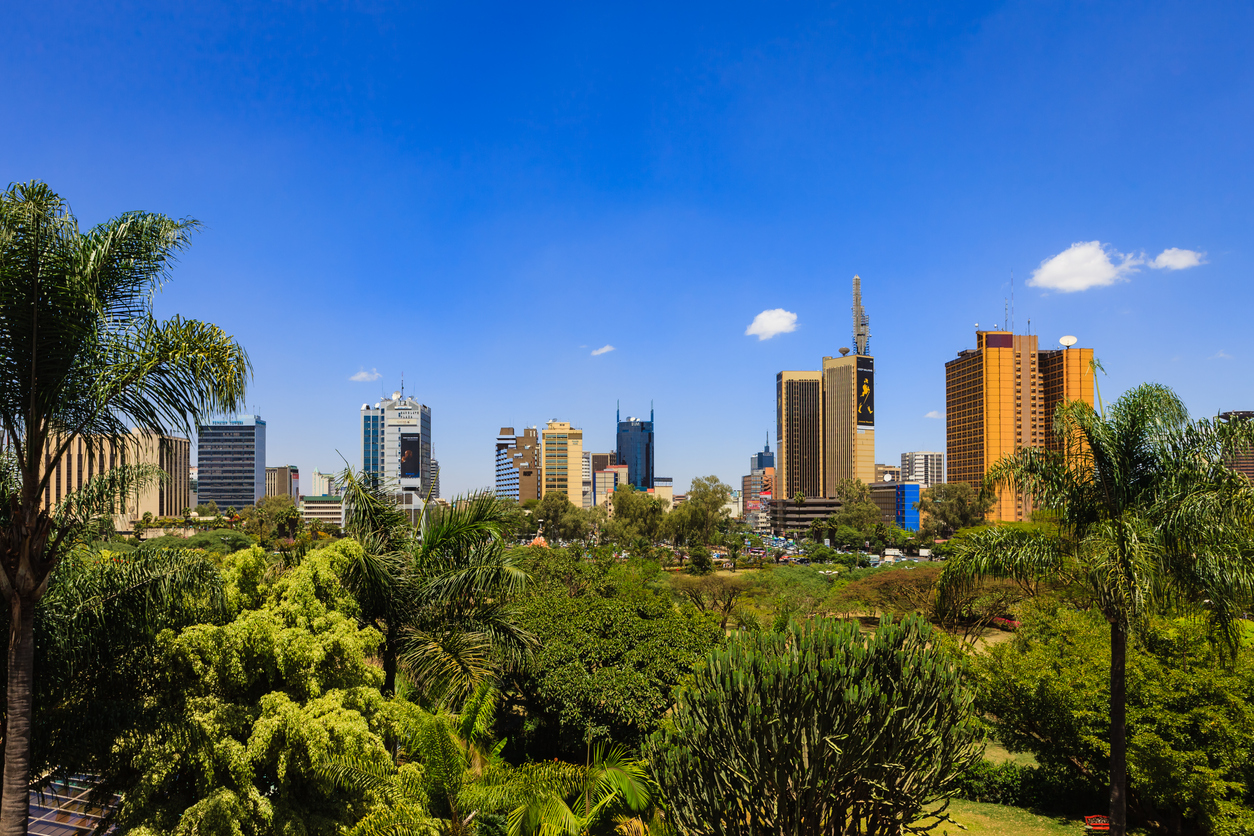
{"x": 491, "y": 668}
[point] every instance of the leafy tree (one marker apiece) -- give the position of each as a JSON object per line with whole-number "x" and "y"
{"x": 952, "y": 506}
{"x": 1149, "y": 516}
{"x": 718, "y": 594}
{"x": 1190, "y": 716}
{"x": 272, "y": 517}
{"x": 637, "y": 515}
{"x": 559, "y": 519}
{"x": 699, "y": 561}
{"x": 706, "y": 508}
{"x": 818, "y": 729}
{"x": 81, "y": 355}
{"x": 251, "y": 707}
{"x": 606, "y": 667}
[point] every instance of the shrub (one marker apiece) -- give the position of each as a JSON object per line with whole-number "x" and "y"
{"x": 818, "y": 729}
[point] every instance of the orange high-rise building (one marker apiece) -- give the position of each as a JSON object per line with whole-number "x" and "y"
{"x": 1000, "y": 397}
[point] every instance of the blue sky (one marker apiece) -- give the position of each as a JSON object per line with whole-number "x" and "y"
{"x": 478, "y": 196}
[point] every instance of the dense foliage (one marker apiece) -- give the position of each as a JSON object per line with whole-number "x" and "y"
{"x": 1190, "y": 716}
{"x": 818, "y": 729}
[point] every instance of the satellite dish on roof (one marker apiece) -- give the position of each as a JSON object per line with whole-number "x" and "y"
{"x": 1068, "y": 341}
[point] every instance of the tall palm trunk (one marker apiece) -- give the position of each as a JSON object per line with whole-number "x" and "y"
{"x": 15, "y": 802}
{"x": 1118, "y": 730}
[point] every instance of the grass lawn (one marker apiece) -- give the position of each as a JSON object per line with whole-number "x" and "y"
{"x": 1005, "y": 821}
{"x": 998, "y": 754}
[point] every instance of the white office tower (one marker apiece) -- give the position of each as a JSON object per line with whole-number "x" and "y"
{"x": 396, "y": 446}
{"x": 926, "y": 468}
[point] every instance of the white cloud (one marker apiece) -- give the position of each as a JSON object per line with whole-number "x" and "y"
{"x": 1174, "y": 258}
{"x": 602, "y": 350}
{"x": 933, "y": 414}
{"x": 1083, "y": 265}
{"x": 364, "y": 376}
{"x": 1221, "y": 355}
{"x": 769, "y": 323}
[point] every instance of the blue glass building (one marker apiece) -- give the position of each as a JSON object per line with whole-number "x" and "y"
{"x": 763, "y": 460}
{"x": 635, "y": 449}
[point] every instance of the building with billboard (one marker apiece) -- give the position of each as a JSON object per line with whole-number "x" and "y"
{"x": 634, "y": 448}
{"x": 923, "y": 466}
{"x": 561, "y": 448}
{"x": 396, "y": 446}
{"x": 1000, "y": 398}
{"x": 825, "y": 419}
{"x": 231, "y": 461}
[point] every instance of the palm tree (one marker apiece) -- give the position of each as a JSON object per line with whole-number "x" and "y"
{"x": 442, "y": 594}
{"x": 1149, "y": 517}
{"x": 81, "y": 355}
{"x": 610, "y": 792}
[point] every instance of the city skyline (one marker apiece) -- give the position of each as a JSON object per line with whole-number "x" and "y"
{"x": 697, "y": 183}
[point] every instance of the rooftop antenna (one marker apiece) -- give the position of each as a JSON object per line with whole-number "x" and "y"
{"x": 1012, "y": 300}
{"x": 402, "y": 384}
{"x": 861, "y": 322}
{"x": 618, "y": 412}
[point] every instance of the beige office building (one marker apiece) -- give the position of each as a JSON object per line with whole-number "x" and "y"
{"x": 562, "y": 466}
{"x": 848, "y": 421}
{"x": 1000, "y": 397}
{"x": 90, "y": 457}
{"x": 283, "y": 481}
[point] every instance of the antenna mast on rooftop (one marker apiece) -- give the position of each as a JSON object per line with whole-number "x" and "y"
{"x": 861, "y": 322}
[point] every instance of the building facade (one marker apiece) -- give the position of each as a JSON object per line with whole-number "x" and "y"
{"x": 923, "y": 466}
{"x": 887, "y": 473}
{"x": 396, "y": 445}
{"x": 562, "y": 457}
{"x": 635, "y": 449}
{"x": 518, "y": 464}
{"x": 766, "y": 458}
{"x": 1000, "y": 397}
{"x": 326, "y": 508}
{"x": 283, "y": 481}
{"x": 897, "y": 501}
{"x": 605, "y": 482}
{"x": 231, "y": 459}
{"x": 799, "y": 433}
{"x": 87, "y": 458}
{"x": 324, "y": 484}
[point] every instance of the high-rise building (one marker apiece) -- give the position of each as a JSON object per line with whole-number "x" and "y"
{"x": 283, "y": 481}
{"x": 518, "y": 464}
{"x": 764, "y": 459}
{"x": 231, "y": 457}
{"x": 396, "y": 444}
{"x": 88, "y": 457}
{"x": 562, "y": 451}
{"x": 664, "y": 489}
{"x": 635, "y": 449}
{"x": 799, "y": 433}
{"x": 923, "y": 466}
{"x": 1000, "y": 397}
{"x": 435, "y": 479}
{"x": 825, "y": 420}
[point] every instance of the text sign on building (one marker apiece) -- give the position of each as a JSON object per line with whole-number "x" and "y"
{"x": 411, "y": 444}
{"x": 866, "y": 391}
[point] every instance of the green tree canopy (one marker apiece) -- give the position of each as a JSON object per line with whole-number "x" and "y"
{"x": 952, "y": 506}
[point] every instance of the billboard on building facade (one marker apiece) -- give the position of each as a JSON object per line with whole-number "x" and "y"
{"x": 411, "y": 447}
{"x": 866, "y": 391}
